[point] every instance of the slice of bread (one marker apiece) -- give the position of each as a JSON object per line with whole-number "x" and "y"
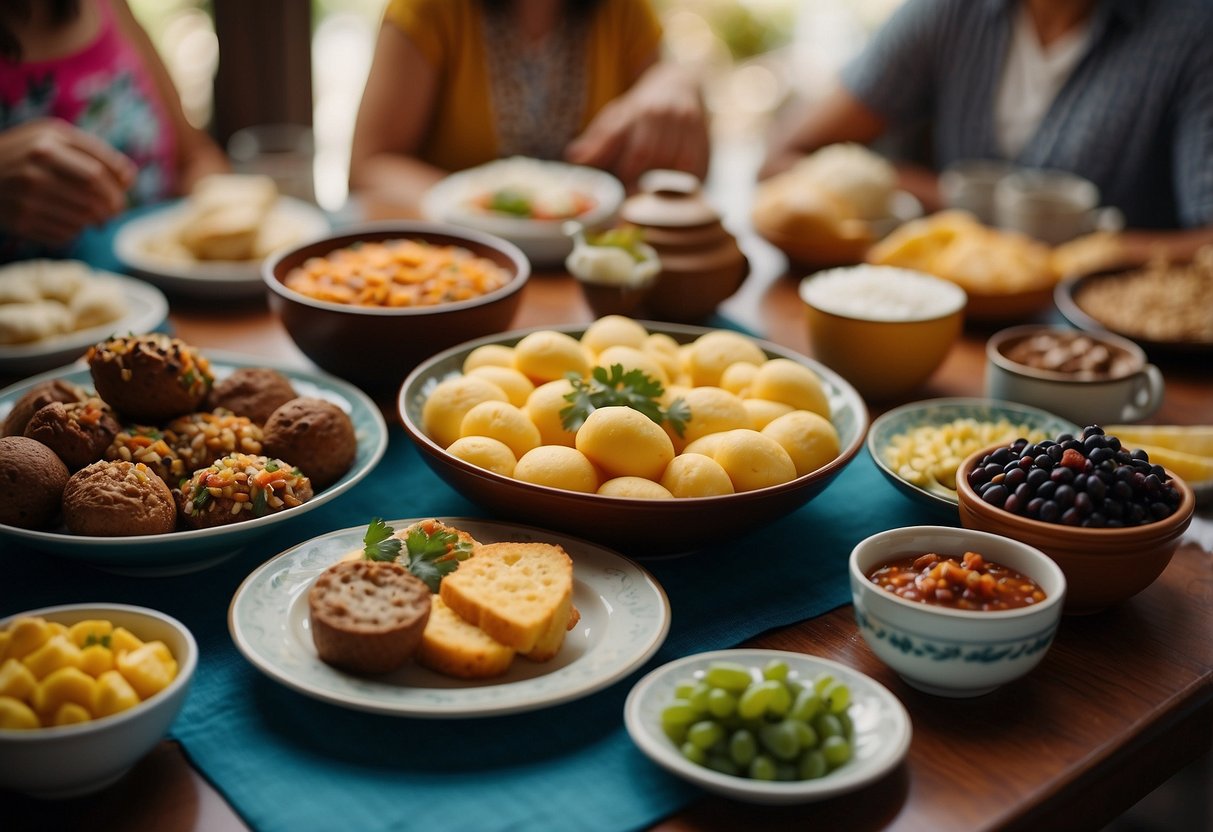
{"x": 521, "y": 594}
{"x": 452, "y": 646}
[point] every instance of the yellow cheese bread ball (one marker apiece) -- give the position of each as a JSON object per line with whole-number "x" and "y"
{"x": 502, "y": 421}
{"x": 787, "y": 381}
{"x": 485, "y": 452}
{"x": 764, "y": 411}
{"x": 810, "y": 439}
{"x": 547, "y": 355}
{"x": 442, "y": 414}
{"x": 558, "y": 466}
{"x": 635, "y": 487}
{"x": 713, "y": 351}
{"x": 665, "y": 349}
{"x": 489, "y": 355}
{"x": 696, "y": 475}
{"x": 517, "y": 386}
{"x": 624, "y": 442}
{"x": 543, "y": 407}
{"x": 753, "y": 460}
{"x": 613, "y": 330}
{"x": 737, "y": 377}
{"x": 705, "y": 445}
{"x": 631, "y": 358}
{"x": 713, "y": 409}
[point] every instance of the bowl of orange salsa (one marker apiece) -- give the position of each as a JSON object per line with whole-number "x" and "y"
{"x": 371, "y": 302}
{"x": 955, "y": 612}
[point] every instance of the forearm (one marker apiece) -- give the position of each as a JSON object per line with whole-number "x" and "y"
{"x": 392, "y": 184}
{"x": 203, "y": 158}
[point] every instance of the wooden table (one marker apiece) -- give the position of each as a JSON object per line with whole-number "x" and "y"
{"x": 1123, "y": 700}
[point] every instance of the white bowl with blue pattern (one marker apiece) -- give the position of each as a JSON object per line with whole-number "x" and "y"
{"x": 954, "y": 652}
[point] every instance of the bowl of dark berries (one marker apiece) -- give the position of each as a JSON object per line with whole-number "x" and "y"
{"x": 1107, "y": 515}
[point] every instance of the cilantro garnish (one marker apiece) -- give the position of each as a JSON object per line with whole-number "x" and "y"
{"x": 432, "y": 556}
{"x": 617, "y": 388}
{"x": 380, "y": 545}
{"x": 93, "y": 638}
{"x": 202, "y": 498}
{"x": 272, "y": 466}
{"x": 261, "y": 505}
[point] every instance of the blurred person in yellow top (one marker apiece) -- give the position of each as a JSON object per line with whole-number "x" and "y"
{"x": 457, "y": 83}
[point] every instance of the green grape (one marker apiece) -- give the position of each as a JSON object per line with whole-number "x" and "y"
{"x": 694, "y": 753}
{"x": 813, "y": 764}
{"x": 678, "y": 712}
{"x": 721, "y": 703}
{"x": 836, "y": 750}
{"x": 805, "y": 733}
{"x": 762, "y": 767}
{"x": 827, "y": 725}
{"x": 823, "y": 681}
{"x": 781, "y": 739}
{"x": 753, "y": 701}
{"x": 743, "y": 747}
{"x": 781, "y": 698}
{"x": 721, "y": 763}
{"x": 807, "y": 705}
{"x": 683, "y": 689}
{"x": 837, "y": 697}
{"x": 677, "y": 732}
{"x": 776, "y": 669}
{"x": 705, "y": 733}
{"x": 728, "y": 675}
{"x": 699, "y": 697}
{"x": 785, "y": 772}
{"x": 848, "y": 726}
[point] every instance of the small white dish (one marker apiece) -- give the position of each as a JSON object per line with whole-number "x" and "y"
{"x": 135, "y": 245}
{"x": 180, "y": 552}
{"x": 146, "y": 309}
{"x": 625, "y": 617}
{"x": 70, "y": 760}
{"x": 542, "y": 240}
{"x": 882, "y": 728}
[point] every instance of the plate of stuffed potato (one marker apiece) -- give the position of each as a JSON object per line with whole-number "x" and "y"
{"x": 108, "y": 476}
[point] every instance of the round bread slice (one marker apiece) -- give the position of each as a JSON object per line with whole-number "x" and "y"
{"x": 368, "y": 616}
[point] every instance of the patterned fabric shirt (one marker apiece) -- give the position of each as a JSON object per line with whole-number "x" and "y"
{"x": 1135, "y": 116}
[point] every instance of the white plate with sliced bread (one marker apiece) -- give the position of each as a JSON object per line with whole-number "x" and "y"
{"x": 624, "y": 619}
{"x": 147, "y": 245}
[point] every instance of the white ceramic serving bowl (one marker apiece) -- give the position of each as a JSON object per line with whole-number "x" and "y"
{"x": 72, "y": 760}
{"x": 543, "y": 241}
{"x": 950, "y": 652}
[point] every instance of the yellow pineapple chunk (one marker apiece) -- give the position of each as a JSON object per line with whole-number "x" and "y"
{"x": 149, "y": 668}
{"x": 123, "y": 640}
{"x": 70, "y": 713}
{"x": 16, "y": 715}
{"x": 95, "y": 660}
{"x": 5, "y": 638}
{"x": 26, "y": 635}
{"x": 113, "y": 694}
{"x": 56, "y": 653}
{"x": 92, "y": 631}
{"x": 16, "y": 680}
{"x": 67, "y": 684}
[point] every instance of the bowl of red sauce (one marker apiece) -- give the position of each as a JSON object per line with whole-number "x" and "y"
{"x": 955, "y": 612}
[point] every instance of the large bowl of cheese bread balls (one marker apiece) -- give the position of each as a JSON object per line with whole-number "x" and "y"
{"x": 654, "y": 438}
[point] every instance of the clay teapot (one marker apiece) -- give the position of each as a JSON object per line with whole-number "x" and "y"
{"x": 701, "y": 264}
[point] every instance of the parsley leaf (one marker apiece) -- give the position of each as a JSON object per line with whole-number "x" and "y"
{"x": 379, "y": 543}
{"x": 616, "y": 388}
{"x": 431, "y": 556}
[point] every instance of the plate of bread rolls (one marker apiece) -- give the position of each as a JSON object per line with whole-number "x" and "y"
{"x": 212, "y": 243}
{"x": 448, "y": 617}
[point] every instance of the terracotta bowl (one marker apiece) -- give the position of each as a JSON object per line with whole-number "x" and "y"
{"x": 638, "y": 527}
{"x": 376, "y": 347}
{"x": 1103, "y": 567}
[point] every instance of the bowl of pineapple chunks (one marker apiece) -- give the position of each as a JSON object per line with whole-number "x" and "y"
{"x": 86, "y": 690}
{"x": 653, "y": 438}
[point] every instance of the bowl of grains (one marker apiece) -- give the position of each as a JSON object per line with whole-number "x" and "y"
{"x": 370, "y": 303}
{"x": 1164, "y": 307}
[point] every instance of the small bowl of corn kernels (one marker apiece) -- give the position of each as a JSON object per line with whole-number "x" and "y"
{"x": 919, "y": 446}
{"x": 86, "y": 690}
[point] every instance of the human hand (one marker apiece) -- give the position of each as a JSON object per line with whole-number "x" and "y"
{"x": 659, "y": 123}
{"x": 56, "y": 179}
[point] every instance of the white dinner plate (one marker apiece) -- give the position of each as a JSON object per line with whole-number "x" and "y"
{"x": 625, "y": 616}
{"x": 180, "y": 552}
{"x": 146, "y": 309}
{"x": 880, "y": 742}
{"x": 220, "y": 279}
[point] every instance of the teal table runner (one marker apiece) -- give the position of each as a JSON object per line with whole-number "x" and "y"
{"x": 287, "y": 762}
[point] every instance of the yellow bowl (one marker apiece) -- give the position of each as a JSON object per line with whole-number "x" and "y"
{"x": 885, "y": 330}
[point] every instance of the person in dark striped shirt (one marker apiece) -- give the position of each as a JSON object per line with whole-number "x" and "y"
{"x": 1117, "y": 91}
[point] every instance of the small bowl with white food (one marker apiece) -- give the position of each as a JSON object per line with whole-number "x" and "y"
{"x": 883, "y": 329}
{"x": 615, "y": 268}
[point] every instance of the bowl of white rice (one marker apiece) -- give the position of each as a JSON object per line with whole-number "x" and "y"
{"x": 884, "y": 329}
